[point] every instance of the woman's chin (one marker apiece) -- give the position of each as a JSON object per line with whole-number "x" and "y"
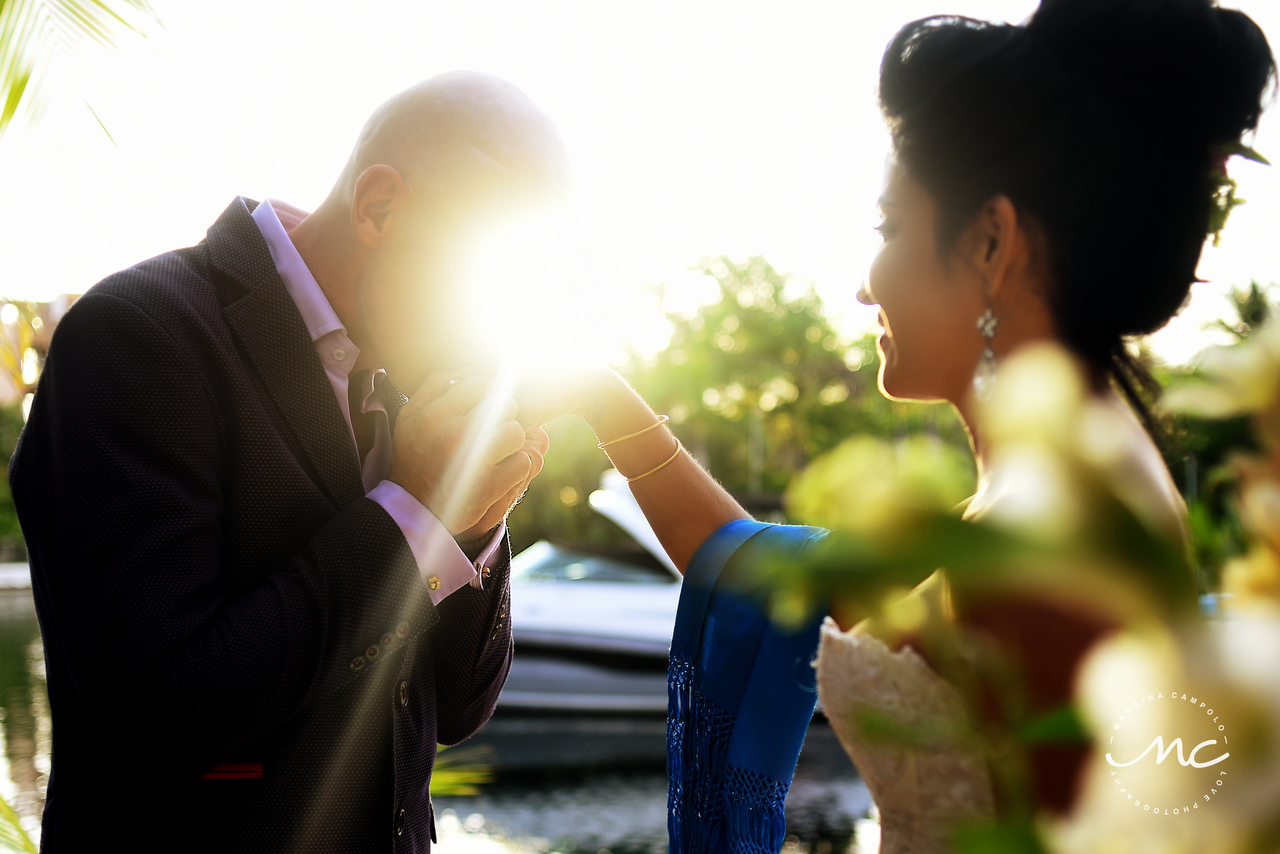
{"x": 891, "y": 385}
{"x": 896, "y": 387}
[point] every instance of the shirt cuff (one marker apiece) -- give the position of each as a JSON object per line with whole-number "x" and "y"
{"x": 484, "y": 560}
{"x": 443, "y": 566}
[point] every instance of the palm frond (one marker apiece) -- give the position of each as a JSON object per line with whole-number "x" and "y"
{"x": 12, "y": 836}
{"x": 34, "y": 32}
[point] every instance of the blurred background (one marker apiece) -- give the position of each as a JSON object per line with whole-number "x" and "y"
{"x": 727, "y": 161}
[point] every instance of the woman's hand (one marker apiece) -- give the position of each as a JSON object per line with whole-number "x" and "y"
{"x": 546, "y": 395}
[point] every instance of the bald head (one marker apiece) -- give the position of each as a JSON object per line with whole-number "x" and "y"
{"x": 466, "y": 130}
{"x": 435, "y": 169}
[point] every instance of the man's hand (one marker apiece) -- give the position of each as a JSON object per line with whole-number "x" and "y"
{"x": 460, "y": 451}
{"x": 536, "y": 444}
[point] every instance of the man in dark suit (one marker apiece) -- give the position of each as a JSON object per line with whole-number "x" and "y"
{"x": 261, "y": 607}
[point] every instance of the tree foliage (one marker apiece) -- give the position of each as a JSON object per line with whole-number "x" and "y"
{"x": 1199, "y": 451}
{"x": 11, "y": 543}
{"x": 757, "y": 383}
{"x": 766, "y": 351}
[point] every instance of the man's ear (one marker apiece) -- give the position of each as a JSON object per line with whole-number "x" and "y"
{"x": 992, "y": 243}
{"x": 380, "y": 194}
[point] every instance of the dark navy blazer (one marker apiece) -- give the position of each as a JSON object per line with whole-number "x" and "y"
{"x": 241, "y": 652}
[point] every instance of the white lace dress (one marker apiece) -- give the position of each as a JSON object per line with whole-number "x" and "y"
{"x": 920, "y": 793}
{"x": 923, "y": 792}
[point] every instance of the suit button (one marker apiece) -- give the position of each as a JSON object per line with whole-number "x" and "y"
{"x": 386, "y": 639}
{"x": 357, "y": 663}
{"x": 402, "y": 630}
{"x": 404, "y": 694}
{"x": 400, "y": 823}
{"x": 434, "y": 582}
{"x": 373, "y": 652}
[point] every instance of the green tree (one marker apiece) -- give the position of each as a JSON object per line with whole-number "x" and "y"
{"x": 759, "y": 382}
{"x": 11, "y": 543}
{"x": 1198, "y": 451}
{"x": 1252, "y": 310}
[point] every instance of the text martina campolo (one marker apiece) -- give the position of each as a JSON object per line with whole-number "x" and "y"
{"x": 1137, "y": 734}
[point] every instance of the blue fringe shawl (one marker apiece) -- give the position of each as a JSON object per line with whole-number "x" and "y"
{"x": 740, "y": 696}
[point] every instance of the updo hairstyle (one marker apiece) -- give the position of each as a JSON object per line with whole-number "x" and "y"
{"x": 1104, "y": 122}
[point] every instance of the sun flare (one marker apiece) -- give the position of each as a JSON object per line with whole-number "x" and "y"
{"x": 549, "y": 299}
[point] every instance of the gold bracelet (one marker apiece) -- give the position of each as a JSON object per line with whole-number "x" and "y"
{"x": 671, "y": 459}
{"x": 662, "y": 419}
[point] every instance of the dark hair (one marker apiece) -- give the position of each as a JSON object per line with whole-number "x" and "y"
{"x": 1100, "y": 119}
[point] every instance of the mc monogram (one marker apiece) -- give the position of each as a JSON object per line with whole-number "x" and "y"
{"x": 1180, "y": 788}
{"x": 1162, "y": 752}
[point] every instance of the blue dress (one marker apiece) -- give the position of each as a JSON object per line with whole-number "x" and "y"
{"x": 741, "y": 692}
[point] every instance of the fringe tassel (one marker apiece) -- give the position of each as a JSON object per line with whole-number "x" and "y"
{"x": 679, "y": 688}
{"x": 755, "y": 818}
{"x": 697, "y": 746}
{"x": 713, "y": 807}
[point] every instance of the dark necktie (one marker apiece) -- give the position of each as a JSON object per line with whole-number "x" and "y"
{"x": 363, "y": 424}
{"x": 366, "y": 425}
{"x": 391, "y": 398}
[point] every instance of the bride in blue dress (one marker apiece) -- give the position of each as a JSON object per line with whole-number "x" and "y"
{"x": 1051, "y": 182}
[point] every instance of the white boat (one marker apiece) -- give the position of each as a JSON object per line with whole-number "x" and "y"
{"x": 592, "y": 630}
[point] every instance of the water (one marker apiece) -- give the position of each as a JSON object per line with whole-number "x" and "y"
{"x": 569, "y": 784}
{"x": 24, "y": 709}
{"x": 582, "y": 785}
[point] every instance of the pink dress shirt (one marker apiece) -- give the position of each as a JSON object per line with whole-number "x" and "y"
{"x": 443, "y": 566}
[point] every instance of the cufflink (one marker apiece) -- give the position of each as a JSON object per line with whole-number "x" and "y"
{"x": 434, "y": 582}
{"x": 485, "y": 572}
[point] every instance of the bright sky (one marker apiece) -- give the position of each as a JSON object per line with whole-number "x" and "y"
{"x": 695, "y": 128}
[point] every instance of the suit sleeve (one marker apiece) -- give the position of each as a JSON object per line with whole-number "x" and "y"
{"x": 118, "y": 480}
{"x": 471, "y": 649}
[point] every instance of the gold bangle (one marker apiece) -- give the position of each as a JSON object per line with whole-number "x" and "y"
{"x": 662, "y": 419}
{"x": 660, "y": 466}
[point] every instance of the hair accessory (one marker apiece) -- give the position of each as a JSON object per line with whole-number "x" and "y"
{"x": 671, "y": 459}
{"x": 662, "y": 419}
{"x": 985, "y": 376}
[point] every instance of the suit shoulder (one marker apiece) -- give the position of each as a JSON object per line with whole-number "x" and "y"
{"x": 177, "y": 291}
{"x": 175, "y": 283}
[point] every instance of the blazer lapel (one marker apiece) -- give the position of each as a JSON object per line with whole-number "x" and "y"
{"x": 268, "y": 325}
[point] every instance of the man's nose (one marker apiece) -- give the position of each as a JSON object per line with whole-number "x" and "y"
{"x": 864, "y": 293}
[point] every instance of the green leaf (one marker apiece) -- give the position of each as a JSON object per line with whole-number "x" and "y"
{"x": 1008, "y": 837}
{"x": 1063, "y": 725}
{"x": 460, "y": 771}
{"x": 34, "y": 32}
{"x": 1244, "y": 151}
{"x": 12, "y": 836}
{"x": 100, "y": 123}
{"x": 880, "y": 727}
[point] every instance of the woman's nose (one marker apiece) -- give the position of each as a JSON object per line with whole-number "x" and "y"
{"x": 864, "y": 293}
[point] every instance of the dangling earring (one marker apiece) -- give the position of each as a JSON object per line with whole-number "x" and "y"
{"x": 985, "y": 375}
